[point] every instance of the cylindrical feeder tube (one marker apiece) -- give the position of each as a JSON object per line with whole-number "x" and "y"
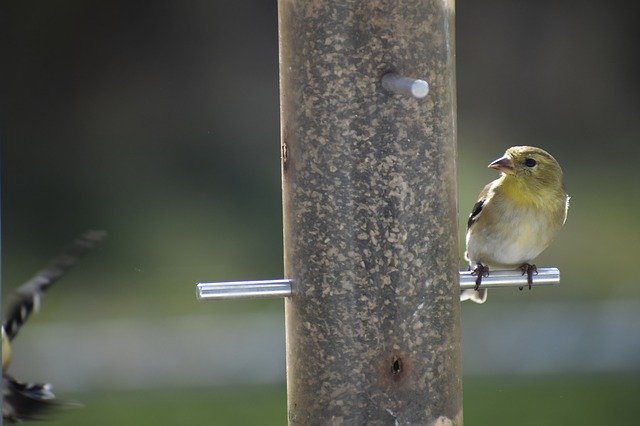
{"x": 370, "y": 215}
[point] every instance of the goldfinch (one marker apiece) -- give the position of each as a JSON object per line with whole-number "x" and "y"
{"x": 516, "y": 216}
{"x": 33, "y": 401}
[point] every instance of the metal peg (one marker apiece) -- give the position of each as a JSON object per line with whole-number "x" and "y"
{"x": 405, "y": 86}
{"x": 244, "y": 289}
{"x": 282, "y": 287}
{"x": 499, "y": 279}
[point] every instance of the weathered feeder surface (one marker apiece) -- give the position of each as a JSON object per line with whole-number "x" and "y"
{"x": 370, "y": 216}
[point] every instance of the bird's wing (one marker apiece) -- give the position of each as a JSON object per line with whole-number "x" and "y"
{"x": 477, "y": 207}
{"x": 27, "y": 296}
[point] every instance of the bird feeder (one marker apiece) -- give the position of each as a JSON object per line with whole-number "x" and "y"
{"x": 368, "y": 158}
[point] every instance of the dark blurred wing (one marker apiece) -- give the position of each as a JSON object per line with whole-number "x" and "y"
{"x": 477, "y": 207}
{"x": 27, "y": 296}
{"x": 27, "y": 401}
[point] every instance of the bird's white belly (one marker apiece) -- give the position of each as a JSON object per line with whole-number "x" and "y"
{"x": 515, "y": 240}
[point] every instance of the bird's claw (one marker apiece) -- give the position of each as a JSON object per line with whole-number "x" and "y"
{"x": 529, "y": 270}
{"x": 480, "y": 271}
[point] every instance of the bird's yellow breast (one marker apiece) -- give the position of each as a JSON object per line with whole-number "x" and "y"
{"x": 6, "y": 351}
{"x": 524, "y": 192}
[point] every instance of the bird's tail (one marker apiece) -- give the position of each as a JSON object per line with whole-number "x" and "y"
{"x": 28, "y": 401}
{"x": 478, "y": 296}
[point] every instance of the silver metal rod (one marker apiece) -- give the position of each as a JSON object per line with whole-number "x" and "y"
{"x": 244, "y": 289}
{"x": 498, "y": 279}
{"x": 282, "y": 287}
{"x": 405, "y": 86}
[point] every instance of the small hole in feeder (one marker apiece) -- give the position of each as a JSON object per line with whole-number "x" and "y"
{"x": 396, "y": 367}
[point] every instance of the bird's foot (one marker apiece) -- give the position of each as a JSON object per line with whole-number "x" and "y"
{"x": 480, "y": 271}
{"x": 529, "y": 270}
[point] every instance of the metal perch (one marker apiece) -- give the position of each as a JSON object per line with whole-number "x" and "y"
{"x": 282, "y": 287}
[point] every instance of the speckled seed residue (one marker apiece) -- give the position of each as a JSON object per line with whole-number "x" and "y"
{"x": 369, "y": 197}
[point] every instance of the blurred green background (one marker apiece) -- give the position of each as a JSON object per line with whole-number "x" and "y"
{"x": 158, "y": 122}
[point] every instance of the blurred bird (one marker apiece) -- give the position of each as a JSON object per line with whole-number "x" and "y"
{"x": 33, "y": 401}
{"x": 516, "y": 216}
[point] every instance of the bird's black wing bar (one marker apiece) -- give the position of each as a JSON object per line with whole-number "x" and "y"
{"x": 27, "y": 297}
{"x": 477, "y": 208}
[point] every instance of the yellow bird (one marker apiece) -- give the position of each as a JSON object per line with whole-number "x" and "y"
{"x": 35, "y": 401}
{"x": 516, "y": 216}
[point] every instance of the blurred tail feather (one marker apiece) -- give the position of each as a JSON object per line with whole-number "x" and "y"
{"x": 479, "y": 296}
{"x": 29, "y": 401}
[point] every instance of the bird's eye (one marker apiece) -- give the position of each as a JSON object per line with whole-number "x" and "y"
{"x": 530, "y": 162}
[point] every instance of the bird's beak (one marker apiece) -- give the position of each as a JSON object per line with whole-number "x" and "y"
{"x": 503, "y": 164}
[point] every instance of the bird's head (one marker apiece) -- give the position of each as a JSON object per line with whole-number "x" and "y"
{"x": 529, "y": 164}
